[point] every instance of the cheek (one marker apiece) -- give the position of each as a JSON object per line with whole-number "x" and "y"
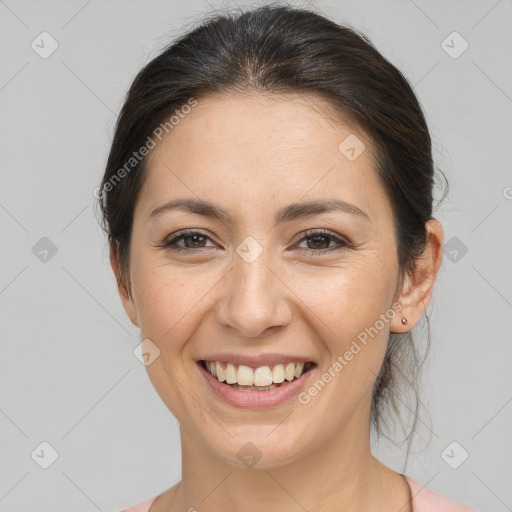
{"x": 348, "y": 298}
{"x": 169, "y": 302}
{"x": 344, "y": 311}
{"x": 347, "y": 311}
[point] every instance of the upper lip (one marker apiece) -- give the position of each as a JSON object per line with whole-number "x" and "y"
{"x": 256, "y": 361}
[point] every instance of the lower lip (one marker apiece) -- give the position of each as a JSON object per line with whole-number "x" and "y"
{"x": 255, "y": 399}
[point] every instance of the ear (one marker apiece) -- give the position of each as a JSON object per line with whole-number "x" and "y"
{"x": 418, "y": 286}
{"x": 123, "y": 287}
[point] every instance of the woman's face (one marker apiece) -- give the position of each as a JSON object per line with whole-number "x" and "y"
{"x": 263, "y": 280}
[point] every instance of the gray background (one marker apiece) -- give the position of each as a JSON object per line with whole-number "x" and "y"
{"x": 68, "y": 373}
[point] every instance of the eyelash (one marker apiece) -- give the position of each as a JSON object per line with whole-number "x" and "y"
{"x": 181, "y": 235}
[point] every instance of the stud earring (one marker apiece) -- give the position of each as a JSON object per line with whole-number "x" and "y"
{"x": 404, "y": 320}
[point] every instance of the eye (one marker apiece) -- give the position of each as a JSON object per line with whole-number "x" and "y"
{"x": 318, "y": 242}
{"x": 192, "y": 240}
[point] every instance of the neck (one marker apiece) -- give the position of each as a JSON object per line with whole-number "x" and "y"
{"x": 340, "y": 474}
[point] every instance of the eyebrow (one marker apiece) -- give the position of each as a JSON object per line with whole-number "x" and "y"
{"x": 288, "y": 213}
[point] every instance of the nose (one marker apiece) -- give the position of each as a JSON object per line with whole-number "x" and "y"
{"x": 255, "y": 298}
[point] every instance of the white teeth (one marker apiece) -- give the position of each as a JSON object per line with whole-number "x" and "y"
{"x": 263, "y": 377}
{"x": 245, "y": 375}
{"x": 278, "y": 373}
{"x": 221, "y": 373}
{"x": 231, "y": 374}
{"x": 289, "y": 371}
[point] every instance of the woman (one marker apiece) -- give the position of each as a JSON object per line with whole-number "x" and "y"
{"x": 268, "y": 203}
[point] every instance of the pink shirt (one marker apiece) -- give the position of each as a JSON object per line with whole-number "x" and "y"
{"x": 423, "y": 500}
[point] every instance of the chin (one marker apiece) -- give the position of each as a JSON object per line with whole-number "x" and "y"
{"x": 258, "y": 447}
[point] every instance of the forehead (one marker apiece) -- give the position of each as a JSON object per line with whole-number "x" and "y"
{"x": 274, "y": 122}
{"x": 258, "y": 147}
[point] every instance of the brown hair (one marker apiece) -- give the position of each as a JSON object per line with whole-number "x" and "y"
{"x": 282, "y": 49}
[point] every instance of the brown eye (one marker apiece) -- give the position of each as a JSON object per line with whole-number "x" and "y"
{"x": 192, "y": 240}
{"x": 319, "y": 242}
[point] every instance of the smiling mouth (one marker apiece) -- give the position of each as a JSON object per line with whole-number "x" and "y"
{"x": 263, "y": 378}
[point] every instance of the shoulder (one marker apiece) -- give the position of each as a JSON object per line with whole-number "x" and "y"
{"x": 426, "y": 500}
{"x": 141, "y": 507}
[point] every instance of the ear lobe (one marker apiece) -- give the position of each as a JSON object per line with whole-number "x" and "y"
{"x": 419, "y": 284}
{"x": 122, "y": 286}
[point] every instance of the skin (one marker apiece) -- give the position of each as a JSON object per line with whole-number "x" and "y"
{"x": 253, "y": 154}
